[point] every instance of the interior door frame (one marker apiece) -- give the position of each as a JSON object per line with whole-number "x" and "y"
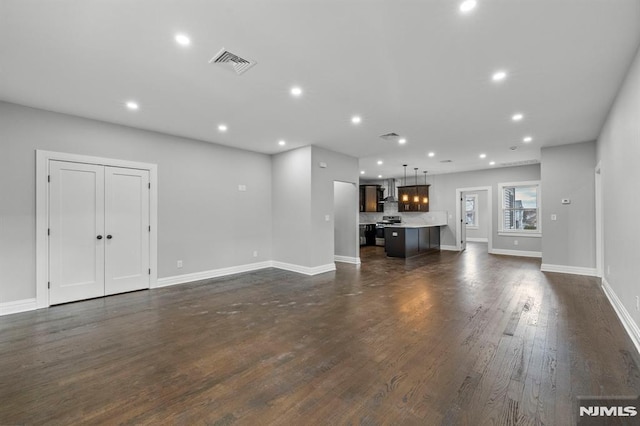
{"x": 459, "y": 192}
{"x": 599, "y": 222}
{"x": 42, "y": 213}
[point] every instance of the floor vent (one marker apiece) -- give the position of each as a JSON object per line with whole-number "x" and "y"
{"x": 232, "y": 61}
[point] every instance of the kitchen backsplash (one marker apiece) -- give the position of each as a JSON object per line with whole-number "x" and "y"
{"x": 409, "y": 218}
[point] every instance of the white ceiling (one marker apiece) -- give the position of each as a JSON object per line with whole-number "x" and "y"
{"x": 418, "y": 68}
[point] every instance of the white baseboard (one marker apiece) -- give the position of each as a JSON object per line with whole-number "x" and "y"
{"x": 347, "y": 259}
{"x": 477, "y": 240}
{"x": 564, "y": 269}
{"x": 16, "y": 306}
{"x": 214, "y": 273}
{"x": 521, "y": 253}
{"x": 449, "y": 248}
{"x": 625, "y": 318}
{"x": 307, "y": 270}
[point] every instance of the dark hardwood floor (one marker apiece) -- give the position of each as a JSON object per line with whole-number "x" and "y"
{"x": 443, "y": 339}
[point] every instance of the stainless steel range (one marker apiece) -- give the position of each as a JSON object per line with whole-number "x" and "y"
{"x": 386, "y": 220}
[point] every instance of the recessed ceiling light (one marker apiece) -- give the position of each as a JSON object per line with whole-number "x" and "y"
{"x": 499, "y": 75}
{"x": 379, "y": 162}
{"x": 493, "y": 163}
{"x": 483, "y": 155}
{"x": 222, "y": 127}
{"x": 282, "y": 143}
{"x": 296, "y": 91}
{"x": 183, "y": 40}
{"x": 517, "y": 117}
{"x": 361, "y": 172}
{"x": 527, "y": 139}
{"x": 402, "y": 141}
{"x": 133, "y": 105}
{"x": 468, "y": 5}
{"x": 431, "y": 154}
{"x": 356, "y": 119}
{"x": 379, "y": 176}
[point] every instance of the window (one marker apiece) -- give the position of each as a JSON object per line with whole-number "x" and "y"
{"x": 471, "y": 203}
{"x": 520, "y": 208}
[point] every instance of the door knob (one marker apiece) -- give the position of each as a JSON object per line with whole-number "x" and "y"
{"x": 109, "y": 237}
{"x": 99, "y": 237}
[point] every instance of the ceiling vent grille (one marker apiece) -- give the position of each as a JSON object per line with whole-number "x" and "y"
{"x": 390, "y": 136}
{"x": 520, "y": 163}
{"x": 232, "y": 61}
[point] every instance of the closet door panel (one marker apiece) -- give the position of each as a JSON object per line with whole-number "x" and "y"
{"x": 126, "y": 230}
{"x": 76, "y": 225}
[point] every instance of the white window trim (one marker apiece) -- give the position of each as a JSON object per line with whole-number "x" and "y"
{"x": 520, "y": 232}
{"x": 475, "y": 209}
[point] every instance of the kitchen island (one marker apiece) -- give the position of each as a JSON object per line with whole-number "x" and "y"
{"x": 411, "y": 240}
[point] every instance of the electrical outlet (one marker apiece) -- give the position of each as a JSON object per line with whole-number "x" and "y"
{"x": 327, "y": 218}
{"x": 637, "y": 303}
{"x": 179, "y": 263}
{"x": 515, "y": 242}
{"x": 608, "y": 270}
{"x": 255, "y": 253}
{"x": 554, "y": 217}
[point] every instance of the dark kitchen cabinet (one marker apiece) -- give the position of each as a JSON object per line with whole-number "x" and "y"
{"x": 371, "y": 198}
{"x": 414, "y": 198}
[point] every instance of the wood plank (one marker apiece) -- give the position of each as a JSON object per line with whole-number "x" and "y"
{"x": 445, "y": 338}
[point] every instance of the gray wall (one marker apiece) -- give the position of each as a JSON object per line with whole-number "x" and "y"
{"x": 344, "y": 216}
{"x": 618, "y": 151}
{"x": 443, "y": 197}
{"x": 342, "y": 168}
{"x": 291, "y": 180}
{"x": 568, "y": 172}
{"x": 303, "y": 196}
{"x": 482, "y": 210}
{"x": 203, "y": 219}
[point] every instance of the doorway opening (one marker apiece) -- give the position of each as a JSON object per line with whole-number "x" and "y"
{"x": 474, "y": 217}
{"x": 346, "y": 239}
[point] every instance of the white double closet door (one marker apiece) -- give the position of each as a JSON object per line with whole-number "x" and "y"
{"x": 99, "y": 230}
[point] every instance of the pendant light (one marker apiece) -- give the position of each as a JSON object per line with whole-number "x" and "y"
{"x": 425, "y": 200}
{"x": 416, "y": 198}
{"x": 405, "y": 196}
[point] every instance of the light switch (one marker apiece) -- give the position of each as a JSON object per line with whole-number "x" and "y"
{"x": 566, "y": 201}
{"x": 327, "y": 218}
{"x": 242, "y": 188}
{"x": 554, "y": 217}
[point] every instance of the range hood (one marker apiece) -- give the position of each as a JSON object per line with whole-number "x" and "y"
{"x": 391, "y": 187}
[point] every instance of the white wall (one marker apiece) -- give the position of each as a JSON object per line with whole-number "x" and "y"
{"x": 618, "y": 150}
{"x": 202, "y": 217}
{"x": 568, "y": 173}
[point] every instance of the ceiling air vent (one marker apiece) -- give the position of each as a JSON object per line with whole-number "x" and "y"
{"x": 232, "y": 61}
{"x": 519, "y": 163}
{"x": 390, "y": 136}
